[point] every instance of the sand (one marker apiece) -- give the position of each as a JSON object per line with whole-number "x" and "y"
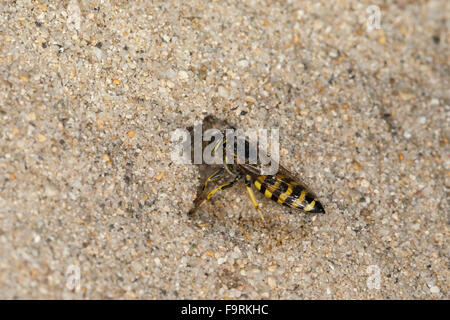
{"x": 93, "y": 207}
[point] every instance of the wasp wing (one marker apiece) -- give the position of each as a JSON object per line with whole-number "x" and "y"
{"x": 272, "y": 183}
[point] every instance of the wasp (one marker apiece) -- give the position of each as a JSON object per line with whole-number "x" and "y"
{"x": 282, "y": 187}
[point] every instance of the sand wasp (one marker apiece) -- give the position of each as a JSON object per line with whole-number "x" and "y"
{"x": 281, "y": 187}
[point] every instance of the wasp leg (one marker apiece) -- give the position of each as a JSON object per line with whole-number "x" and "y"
{"x": 248, "y": 184}
{"x": 213, "y": 177}
{"x": 212, "y": 192}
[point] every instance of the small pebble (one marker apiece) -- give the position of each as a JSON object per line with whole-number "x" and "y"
{"x": 435, "y": 290}
{"x": 223, "y": 92}
{"x": 272, "y": 282}
{"x": 243, "y": 63}
{"x": 41, "y": 137}
{"x": 183, "y": 75}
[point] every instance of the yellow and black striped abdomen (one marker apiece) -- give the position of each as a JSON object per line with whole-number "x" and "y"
{"x": 288, "y": 192}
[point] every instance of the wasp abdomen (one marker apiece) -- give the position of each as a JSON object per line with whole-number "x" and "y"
{"x": 288, "y": 192}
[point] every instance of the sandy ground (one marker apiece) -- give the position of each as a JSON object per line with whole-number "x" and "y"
{"x": 91, "y": 205}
